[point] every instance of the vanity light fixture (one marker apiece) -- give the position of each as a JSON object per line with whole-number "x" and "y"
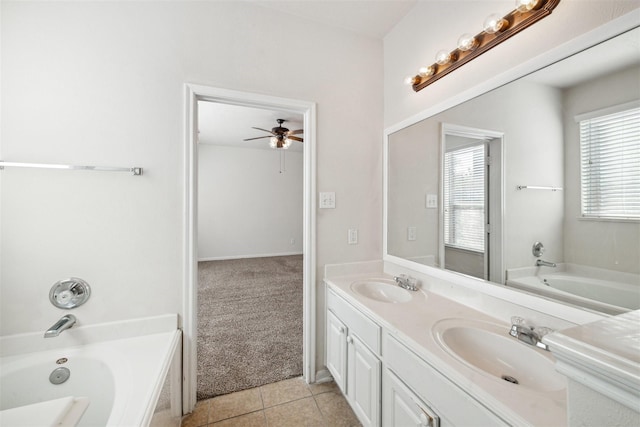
{"x": 496, "y": 29}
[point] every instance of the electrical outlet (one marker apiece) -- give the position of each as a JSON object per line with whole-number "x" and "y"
{"x": 353, "y": 236}
{"x": 327, "y": 200}
{"x": 412, "y": 233}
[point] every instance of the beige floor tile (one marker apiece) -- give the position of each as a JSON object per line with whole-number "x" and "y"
{"x": 284, "y": 391}
{"x": 199, "y": 416}
{"x": 234, "y": 404}
{"x": 324, "y": 388}
{"x": 336, "y": 410}
{"x": 299, "y": 413}
{"x": 254, "y": 419}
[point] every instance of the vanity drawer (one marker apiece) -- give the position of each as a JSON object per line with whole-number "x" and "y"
{"x": 451, "y": 402}
{"x": 357, "y": 323}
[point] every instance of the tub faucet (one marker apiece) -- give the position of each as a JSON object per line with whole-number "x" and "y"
{"x": 406, "y": 282}
{"x": 64, "y": 323}
{"x": 543, "y": 263}
{"x": 531, "y": 335}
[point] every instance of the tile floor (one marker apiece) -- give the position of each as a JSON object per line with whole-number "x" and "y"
{"x": 286, "y": 403}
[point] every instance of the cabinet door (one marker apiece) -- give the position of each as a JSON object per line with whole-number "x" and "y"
{"x": 337, "y": 350}
{"x": 363, "y": 384}
{"x": 400, "y": 407}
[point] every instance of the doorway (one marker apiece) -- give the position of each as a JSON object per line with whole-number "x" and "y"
{"x": 194, "y": 94}
{"x": 471, "y": 212}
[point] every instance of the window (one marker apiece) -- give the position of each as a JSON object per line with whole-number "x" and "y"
{"x": 464, "y": 188}
{"x": 610, "y": 162}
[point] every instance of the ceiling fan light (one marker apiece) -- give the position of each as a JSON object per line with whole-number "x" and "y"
{"x": 273, "y": 142}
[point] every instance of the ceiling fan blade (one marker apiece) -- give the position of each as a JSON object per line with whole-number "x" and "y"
{"x": 295, "y": 138}
{"x": 259, "y": 137}
{"x": 295, "y": 132}
{"x": 264, "y": 130}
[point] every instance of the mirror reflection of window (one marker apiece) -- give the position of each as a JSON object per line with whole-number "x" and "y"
{"x": 610, "y": 162}
{"x": 464, "y": 197}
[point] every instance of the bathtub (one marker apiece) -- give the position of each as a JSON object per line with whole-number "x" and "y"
{"x": 117, "y": 374}
{"x": 584, "y": 287}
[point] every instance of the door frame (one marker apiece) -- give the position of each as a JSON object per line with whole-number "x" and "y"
{"x": 193, "y": 94}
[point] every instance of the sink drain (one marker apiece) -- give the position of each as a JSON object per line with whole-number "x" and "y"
{"x": 509, "y": 379}
{"x": 59, "y": 375}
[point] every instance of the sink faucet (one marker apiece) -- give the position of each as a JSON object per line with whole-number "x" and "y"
{"x": 531, "y": 335}
{"x": 64, "y": 323}
{"x": 542, "y": 263}
{"x": 407, "y": 282}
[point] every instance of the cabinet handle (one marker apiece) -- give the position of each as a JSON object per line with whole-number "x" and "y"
{"x": 425, "y": 420}
{"x": 349, "y": 340}
{"x": 341, "y": 329}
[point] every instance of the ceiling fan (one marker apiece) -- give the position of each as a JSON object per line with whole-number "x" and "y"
{"x": 280, "y": 137}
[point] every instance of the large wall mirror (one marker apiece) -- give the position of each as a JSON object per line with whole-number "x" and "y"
{"x": 503, "y": 187}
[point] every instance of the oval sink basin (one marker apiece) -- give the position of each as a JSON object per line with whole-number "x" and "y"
{"x": 381, "y": 290}
{"x": 489, "y": 348}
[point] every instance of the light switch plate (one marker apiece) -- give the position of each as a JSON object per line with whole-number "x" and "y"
{"x": 327, "y": 200}
{"x": 432, "y": 201}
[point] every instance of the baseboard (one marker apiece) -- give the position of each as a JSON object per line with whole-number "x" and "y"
{"x": 222, "y": 258}
{"x": 323, "y": 376}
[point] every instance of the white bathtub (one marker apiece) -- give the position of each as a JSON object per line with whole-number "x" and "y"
{"x": 121, "y": 378}
{"x": 589, "y": 288}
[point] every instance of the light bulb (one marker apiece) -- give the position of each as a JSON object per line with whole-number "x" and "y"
{"x": 443, "y": 57}
{"x": 526, "y": 5}
{"x": 411, "y": 80}
{"x": 494, "y": 23}
{"x": 273, "y": 142}
{"x": 467, "y": 42}
{"x": 426, "y": 71}
{"x": 287, "y": 143}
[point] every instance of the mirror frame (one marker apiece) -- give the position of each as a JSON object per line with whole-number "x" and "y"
{"x": 585, "y": 41}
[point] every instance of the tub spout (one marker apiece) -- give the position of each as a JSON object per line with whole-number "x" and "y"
{"x": 64, "y": 323}
{"x": 542, "y": 263}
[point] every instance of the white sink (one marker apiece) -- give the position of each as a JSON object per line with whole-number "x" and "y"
{"x": 489, "y": 348}
{"x": 382, "y": 290}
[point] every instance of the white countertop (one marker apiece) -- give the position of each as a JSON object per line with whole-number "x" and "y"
{"x": 604, "y": 355}
{"x": 412, "y": 322}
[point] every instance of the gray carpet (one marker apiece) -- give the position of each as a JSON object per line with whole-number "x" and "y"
{"x": 249, "y": 323}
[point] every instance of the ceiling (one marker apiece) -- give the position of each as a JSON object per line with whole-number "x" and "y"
{"x": 373, "y": 18}
{"x": 615, "y": 54}
{"x": 224, "y": 124}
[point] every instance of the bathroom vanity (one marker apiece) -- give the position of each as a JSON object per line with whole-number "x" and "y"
{"x": 418, "y": 358}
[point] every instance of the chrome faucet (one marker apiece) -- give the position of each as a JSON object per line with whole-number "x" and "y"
{"x": 406, "y": 282}
{"x": 64, "y": 323}
{"x": 531, "y": 335}
{"x": 543, "y": 263}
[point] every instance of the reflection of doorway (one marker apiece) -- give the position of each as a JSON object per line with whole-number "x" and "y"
{"x": 250, "y": 228}
{"x": 195, "y": 93}
{"x": 471, "y": 212}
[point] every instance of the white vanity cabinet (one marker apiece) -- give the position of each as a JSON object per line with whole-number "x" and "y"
{"x": 353, "y": 358}
{"x": 401, "y": 407}
{"x": 452, "y": 404}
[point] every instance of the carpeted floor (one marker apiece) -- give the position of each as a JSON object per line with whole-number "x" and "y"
{"x": 249, "y": 323}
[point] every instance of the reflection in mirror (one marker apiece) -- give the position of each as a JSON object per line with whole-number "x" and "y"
{"x": 560, "y": 179}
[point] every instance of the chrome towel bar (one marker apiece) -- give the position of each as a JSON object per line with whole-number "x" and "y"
{"x": 134, "y": 170}
{"x": 533, "y": 187}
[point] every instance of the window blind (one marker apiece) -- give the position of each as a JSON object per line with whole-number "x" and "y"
{"x": 610, "y": 165}
{"x": 464, "y": 194}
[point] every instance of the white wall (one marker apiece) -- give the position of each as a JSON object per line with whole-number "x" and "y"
{"x": 612, "y": 245}
{"x": 103, "y": 83}
{"x": 246, "y": 207}
{"x": 434, "y": 25}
